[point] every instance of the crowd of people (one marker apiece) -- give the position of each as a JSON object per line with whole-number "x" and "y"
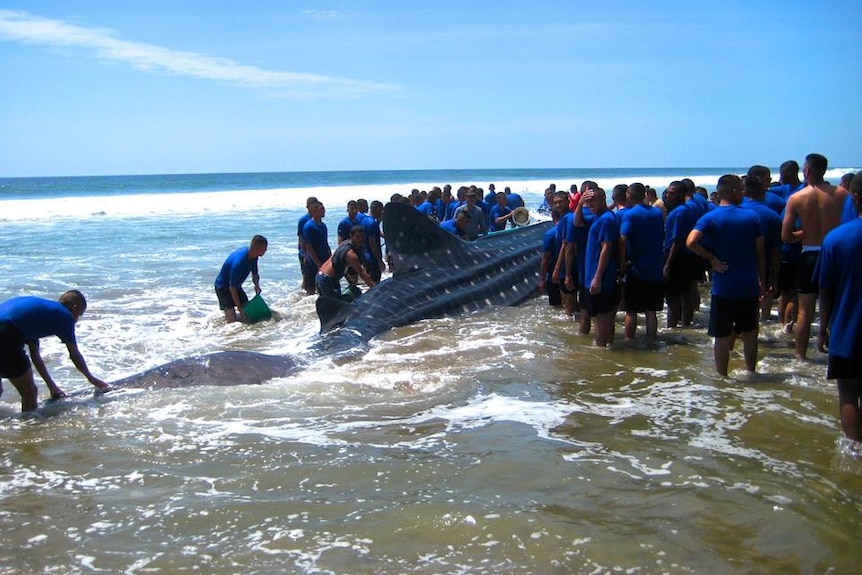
{"x": 755, "y": 241}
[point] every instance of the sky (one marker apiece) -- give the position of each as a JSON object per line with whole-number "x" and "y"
{"x": 149, "y": 87}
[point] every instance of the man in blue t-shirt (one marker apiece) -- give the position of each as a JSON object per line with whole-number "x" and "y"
{"x": 348, "y": 221}
{"x": 839, "y": 278}
{"x": 681, "y": 268}
{"x": 601, "y": 264}
{"x": 373, "y": 247}
{"x": 25, "y": 320}
{"x": 737, "y": 257}
{"x": 771, "y": 222}
{"x": 458, "y": 225}
{"x": 642, "y": 261}
{"x": 500, "y": 214}
{"x": 300, "y": 242}
{"x": 234, "y": 271}
{"x": 317, "y": 250}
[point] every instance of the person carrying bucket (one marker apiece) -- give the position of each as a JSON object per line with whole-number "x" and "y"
{"x": 234, "y": 271}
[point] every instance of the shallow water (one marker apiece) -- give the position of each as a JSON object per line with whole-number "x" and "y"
{"x": 500, "y": 442}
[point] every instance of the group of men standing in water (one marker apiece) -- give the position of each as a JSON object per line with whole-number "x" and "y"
{"x": 754, "y": 241}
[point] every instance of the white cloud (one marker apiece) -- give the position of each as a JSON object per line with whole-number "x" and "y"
{"x": 27, "y": 28}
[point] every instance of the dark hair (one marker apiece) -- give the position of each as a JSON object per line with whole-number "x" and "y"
{"x": 356, "y": 228}
{"x": 72, "y": 298}
{"x": 727, "y": 185}
{"x": 759, "y": 171}
{"x": 753, "y": 186}
{"x": 817, "y": 164}
{"x": 637, "y": 191}
{"x": 377, "y": 204}
{"x": 259, "y": 240}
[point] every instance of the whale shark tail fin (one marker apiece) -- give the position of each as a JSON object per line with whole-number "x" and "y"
{"x": 415, "y": 241}
{"x": 332, "y": 313}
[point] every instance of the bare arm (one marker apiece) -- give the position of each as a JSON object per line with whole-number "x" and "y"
{"x": 39, "y": 364}
{"x": 789, "y": 233}
{"x": 604, "y": 260}
{"x": 81, "y": 365}
{"x": 693, "y": 242}
{"x": 356, "y": 265}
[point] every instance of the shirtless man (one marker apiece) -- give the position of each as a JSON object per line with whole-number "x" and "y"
{"x": 818, "y": 206}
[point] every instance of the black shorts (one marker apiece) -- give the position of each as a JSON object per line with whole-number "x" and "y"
{"x": 554, "y": 297}
{"x": 583, "y": 295}
{"x": 14, "y": 361}
{"x": 805, "y": 282}
{"x": 603, "y": 302}
{"x": 844, "y": 367}
{"x": 309, "y": 274}
{"x": 684, "y": 269}
{"x": 732, "y": 314}
{"x": 787, "y": 276}
{"x": 225, "y": 300}
{"x": 640, "y": 296}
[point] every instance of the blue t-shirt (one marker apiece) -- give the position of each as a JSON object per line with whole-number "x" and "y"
{"x": 770, "y": 221}
{"x": 785, "y": 190}
{"x": 449, "y": 226}
{"x": 849, "y": 213}
{"x": 775, "y": 202}
{"x": 36, "y": 318}
{"x": 578, "y": 235}
{"x": 498, "y": 212}
{"x": 372, "y": 237}
{"x": 318, "y": 236}
{"x": 514, "y": 200}
{"x": 235, "y": 269}
{"x": 343, "y": 230}
{"x": 677, "y": 226}
{"x": 564, "y": 233}
{"x": 839, "y": 269}
{"x": 643, "y": 228}
{"x": 732, "y": 232}
{"x": 451, "y": 207}
{"x": 301, "y": 224}
{"x": 603, "y": 229}
{"x": 551, "y": 246}
{"x": 427, "y": 208}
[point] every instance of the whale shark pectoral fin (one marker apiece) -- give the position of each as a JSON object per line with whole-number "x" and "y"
{"x": 332, "y": 313}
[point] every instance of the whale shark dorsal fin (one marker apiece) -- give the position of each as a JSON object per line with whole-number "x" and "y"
{"x": 332, "y": 313}
{"x": 415, "y": 241}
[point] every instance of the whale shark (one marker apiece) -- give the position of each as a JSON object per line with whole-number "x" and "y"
{"x": 435, "y": 274}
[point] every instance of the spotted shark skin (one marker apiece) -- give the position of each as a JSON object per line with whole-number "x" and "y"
{"x": 436, "y": 275}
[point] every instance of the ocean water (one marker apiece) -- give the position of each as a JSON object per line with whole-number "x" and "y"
{"x": 500, "y": 442}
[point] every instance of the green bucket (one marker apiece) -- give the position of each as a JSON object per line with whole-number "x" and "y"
{"x": 256, "y": 309}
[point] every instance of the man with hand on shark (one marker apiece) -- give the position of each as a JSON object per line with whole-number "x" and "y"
{"x": 346, "y": 256}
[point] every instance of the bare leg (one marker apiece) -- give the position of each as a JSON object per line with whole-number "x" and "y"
{"x": 848, "y": 405}
{"x": 749, "y": 349}
{"x": 630, "y": 324}
{"x": 230, "y": 315}
{"x": 721, "y": 351}
{"x": 803, "y": 323}
{"x": 651, "y": 326}
{"x": 604, "y": 329}
{"x": 27, "y": 389}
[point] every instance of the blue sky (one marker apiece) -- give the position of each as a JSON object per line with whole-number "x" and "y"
{"x": 108, "y": 87}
